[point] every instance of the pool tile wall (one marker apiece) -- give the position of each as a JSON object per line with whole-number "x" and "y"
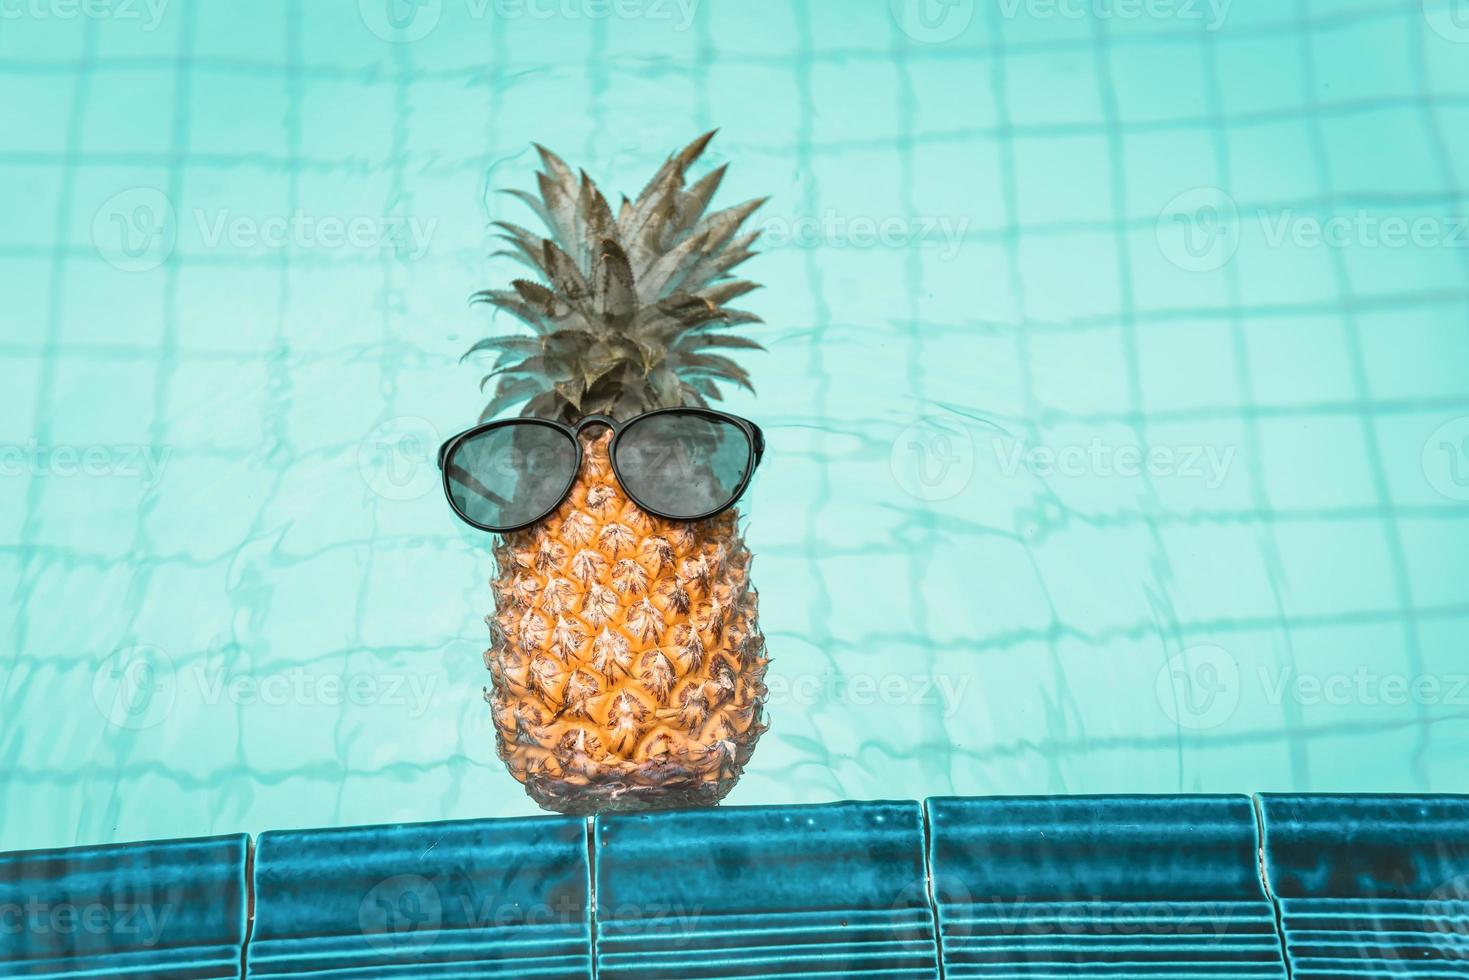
{"x": 1375, "y": 886}
{"x": 487, "y": 898}
{"x": 828, "y": 890}
{"x": 1096, "y": 887}
{"x": 160, "y": 910}
{"x": 1166, "y": 887}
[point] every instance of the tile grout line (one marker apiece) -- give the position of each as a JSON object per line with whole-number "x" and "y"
{"x": 1035, "y": 420}
{"x": 59, "y": 260}
{"x": 819, "y": 605}
{"x": 591, "y": 835}
{"x": 1007, "y": 750}
{"x": 1270, "y": 30}
{"x": 249, "y": 905}
{"x": 265, "y": 160}
{"x": 165, "y": 372}
{"x": 933, "y": 902}
{"x": 1157, "y": 575}
{"x": 1257, "y": 805}
{"x": 1265, "y": 528}
{"x": 1358, "y": 369}
{"x": 921, "y": 530}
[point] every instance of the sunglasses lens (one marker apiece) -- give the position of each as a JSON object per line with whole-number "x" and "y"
{"x": 683, "y": 465}
{"x": 511, "y": 475}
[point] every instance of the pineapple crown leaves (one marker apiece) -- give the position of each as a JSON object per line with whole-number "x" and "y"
{"x": 627, "y": 312}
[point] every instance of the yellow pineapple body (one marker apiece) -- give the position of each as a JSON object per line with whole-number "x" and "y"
{"x": 627, "y": 665}
{"x": 627, "y": 668}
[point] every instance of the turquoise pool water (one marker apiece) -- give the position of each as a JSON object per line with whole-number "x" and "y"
{"x": 1117, "y": 393}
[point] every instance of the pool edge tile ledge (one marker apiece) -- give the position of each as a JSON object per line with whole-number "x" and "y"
{"x": 836, "y": 890}
{"x": 155, "y": 909}
{"x": 1370, "y": 885}
{"x": 499, "y": 897}
{"x": 953, "y": 888}
{"x": 1089, "y": 886}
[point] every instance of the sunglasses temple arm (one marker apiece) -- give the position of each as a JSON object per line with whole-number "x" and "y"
{"x": 465, "y": 479}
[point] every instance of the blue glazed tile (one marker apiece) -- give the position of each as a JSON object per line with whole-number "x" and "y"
{"x": 483, "y": 898}
{"x": 165, "y": 910}
{"x": 1165, "y": 888}
{"x": 1370, "y": 886}
{"x": 749, "y": 892}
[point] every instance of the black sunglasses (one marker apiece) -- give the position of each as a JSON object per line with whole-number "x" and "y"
{"x": 681, "y": 464}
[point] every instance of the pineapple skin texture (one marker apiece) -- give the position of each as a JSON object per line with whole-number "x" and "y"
{"x": 626, "y": 661}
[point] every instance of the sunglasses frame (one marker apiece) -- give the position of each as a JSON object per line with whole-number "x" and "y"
{"x": 752, "y": 433}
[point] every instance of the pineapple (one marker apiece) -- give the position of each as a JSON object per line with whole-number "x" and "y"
{"x": 625, "y": 659}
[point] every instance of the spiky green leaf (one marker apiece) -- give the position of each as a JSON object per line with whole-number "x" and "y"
{"x": 511, "y": 391}
{"x": 629, "y": 309}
